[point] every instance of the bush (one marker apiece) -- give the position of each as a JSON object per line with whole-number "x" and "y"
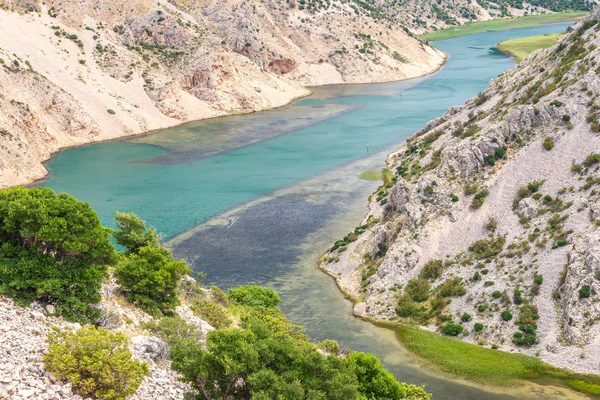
{"x": 111, "y": 112}
{"x": 566, "y": 118}
{"x": 453, "y": 197}
{"x": 452, "y": 287}
{"x": 52, "y": 247}
{"x": 465, "y": 317}
{"x": 538, "y": 279}
{"x": 517, "y": 297}
{"x": 506, "y": 315}
{"x": 548, "y": 143}
{"x": 212, "y": 313}
{"x": 97, "y": 362}
{"x": 478, "y": 327}
{"x": 500, "y": 152}
{"x": 452, "y": 329}
{"x": 585, "y": 292}
{"x": 149, "y": 279}
{"x": 433, "y": 269}
{"x": 253, "y": 296}
{"x": 496, "y": 294}
{"x": 491, "y": 224}
{"x": 219, "y": 295}
{"x": 171, "y": 329}
{"x": 481, "y": 307}
{"x": 418, "y": 290}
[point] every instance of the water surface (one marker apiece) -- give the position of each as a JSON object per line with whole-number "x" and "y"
{"x": 256, "y": 199}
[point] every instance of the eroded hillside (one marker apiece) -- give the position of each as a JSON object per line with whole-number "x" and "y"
{"x": 75, "y": 73}
{"x": 489, "y": 228}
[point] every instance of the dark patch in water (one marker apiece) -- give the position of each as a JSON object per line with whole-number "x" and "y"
{"x": 262, "y": 243}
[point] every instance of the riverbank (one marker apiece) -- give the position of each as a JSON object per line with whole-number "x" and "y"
{"x": 522, "y": 47}
{"x": 501, "y": 24}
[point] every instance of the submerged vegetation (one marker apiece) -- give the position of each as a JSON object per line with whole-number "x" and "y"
{"x": 56, "y": 252}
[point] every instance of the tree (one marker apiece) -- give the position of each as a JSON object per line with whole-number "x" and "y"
{"x": 53, "y": 248}
{"x": 149, "y": 278}
{"x": 96, "y": 361}
{"x": 260, "y": 363}
{"x": 132, "y": 234}
{"x": 148, "y": 274}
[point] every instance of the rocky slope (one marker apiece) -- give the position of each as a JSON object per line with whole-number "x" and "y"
{"x": 74, "y": 73}
{"x": 491, "y": 219}
{"x": 23, "y": 333}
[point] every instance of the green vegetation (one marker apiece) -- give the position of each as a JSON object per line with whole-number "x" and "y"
{"x": 548, "y": 143}
{"x": 235, "y": 361}
{"x": 53, "y": 248}
{"x": 111, "y": 112}
{"x": 452, "y": 329}
{"x": 97, "y": 362}
{"x": 147, "y": 274}
{"x": 503, "y": 24}
{"x": 483, "y": 363}
{"x": 254, "y": 296}
{"x": 432, "y": 269}
{"x": 522, "y": 47}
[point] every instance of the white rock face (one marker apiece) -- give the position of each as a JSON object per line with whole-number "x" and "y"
{"x": 486, "y": 176}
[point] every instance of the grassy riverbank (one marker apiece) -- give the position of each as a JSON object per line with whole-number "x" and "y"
{"x": 503, "y": 24}
{"x": 486, "y": 365}
{"x": 522, "y": 47}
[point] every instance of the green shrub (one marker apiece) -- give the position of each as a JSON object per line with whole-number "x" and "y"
{"x": 496, "y": 294}
{"x": 52, "y": 247}
{"x": 432, "y": 269}
{"x": 517, "y": 297}
{"x": 478, "y": 327}
{"x": 171, "y": 329}
{"x": 585, "y": 292}
{"x": 591, "y": 159}
{"x": 452, "y": 329}
{"x": 487, "y": 248}
{"x": 212, "y": 313}
{"x": 149, "y": 279}
{"x": 453, "y": 197}
{"x": 500, "y": 152}
{"x": 111, "y": 112}
{"x": 566, "y": 118}
{"x": 481, "y": 307}
{"x": 538, "y": 279}
{"x": 97, "y": 362}
{"x": 506, "y": 315}
{"x": 548, "y": 143}
{"x": 452, "y": 287}
{"x": 253, "y": 296}
{"x": 418, "y": 290}
{"x": 219, "y": 295}
{"x": 465, "y": 317}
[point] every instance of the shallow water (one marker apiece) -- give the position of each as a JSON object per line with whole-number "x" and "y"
{"x": 267, "y": 193}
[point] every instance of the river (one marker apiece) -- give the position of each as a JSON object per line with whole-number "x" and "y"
{"x": 258, "y": 198}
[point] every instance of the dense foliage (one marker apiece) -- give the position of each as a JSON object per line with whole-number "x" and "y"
{"x": 253, "y": 296}
{"x": 265, "y": 359}
{"x": 97, "y": 362}
{"x": 148, "y": 274}
{"x": 52, "y": 248}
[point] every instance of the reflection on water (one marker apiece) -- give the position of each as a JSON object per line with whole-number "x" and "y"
{"x": 272, "y": 190}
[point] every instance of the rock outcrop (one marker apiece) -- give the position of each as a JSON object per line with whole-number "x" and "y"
{"x": 74, "y": 73}
{"x": 491, "y": 219}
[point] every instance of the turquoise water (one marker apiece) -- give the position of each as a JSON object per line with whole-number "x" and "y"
{"x": 173, "y": 196}
{"x": 267, "y": 193}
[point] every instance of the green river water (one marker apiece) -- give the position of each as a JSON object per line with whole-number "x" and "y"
{"x": 258, "y": 198}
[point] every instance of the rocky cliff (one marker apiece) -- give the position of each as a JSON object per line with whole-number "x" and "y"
{"x": 74, "y": 73}
{"x": 491, "y": 218}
